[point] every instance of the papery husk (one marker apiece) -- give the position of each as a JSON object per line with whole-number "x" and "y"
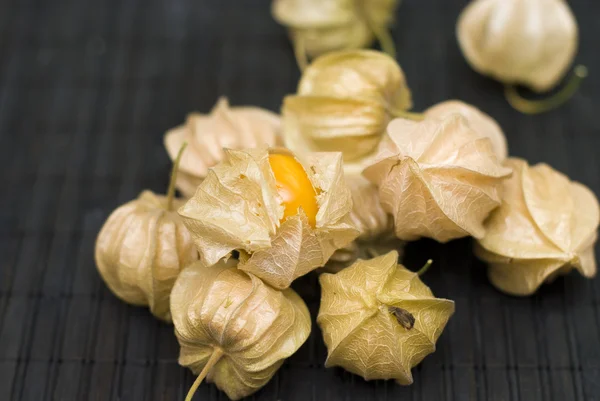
{"x": 367, "y": 213}
{"x": 208, "y": 135}
{"x": 344, "y": 102}
{"x": 237, "y": 208}
{"x": 141, "y": 249}
{"x": 325, "y": 26}
{"x": 528, "y": 42}
{"x": 547, "y": 226}
{"x": 375, "y": 225}
{"x": 362, "y": 334}
{"x": 221, "y": 309}
{"x": 438, "y": 178}
{"x": 480, "y": 122}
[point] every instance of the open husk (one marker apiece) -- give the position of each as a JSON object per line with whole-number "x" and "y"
{"x": 141, "y": 249}
{"x": 344, "y": 102}
{"x": 237, "y": 208}
{"x": 208, "y": 134}
{"x": 379, "y": 320}
{"x": 480, "y": 122}
{"x": 528, "y": 42}
{"x": 438, "y": 178}
{"x": 547, "y": 226}
{"x": 234, "y": 329}
{"x": 319, "y": 27}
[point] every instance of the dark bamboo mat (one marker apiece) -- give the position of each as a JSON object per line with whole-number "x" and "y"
{"x": 86, "y": 91}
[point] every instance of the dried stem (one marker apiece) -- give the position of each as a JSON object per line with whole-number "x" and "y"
{"x": 425, "y": 267}
{"x": 381, "y": 33}
{"x": 300, "y": 52}
{"x": 527, "y": 106}
{"x": 174, "y": 171}
{"x": 212, "y": 361}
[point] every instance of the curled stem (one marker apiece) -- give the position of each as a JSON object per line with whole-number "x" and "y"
{"x": 527, "y": 106}
{"x": 212, "y": 361}
{"x": 381, "y": 33}
{"x": 300, "y": 52}
{"x": 425, "y": 267}
{"x": 384, "y": 37}
{"x": 174, "y": 170}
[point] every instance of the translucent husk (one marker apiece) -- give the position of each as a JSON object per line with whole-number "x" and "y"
{"x": 379, "y": 296}
{"x": 233, "y": 329}
{"x": 546, "y": 226}
{"x": 344, "y": 102}
{"x": 237, "y": 208}
{"x": 208, "y": 134}
{"x": 478, "y": 121}
{"x": 438, "y": 178}
{"x": 530, "y": 43}
{"x": 143, "y": 246}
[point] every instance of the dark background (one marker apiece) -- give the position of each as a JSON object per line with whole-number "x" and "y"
{"x": 87, "y": 90}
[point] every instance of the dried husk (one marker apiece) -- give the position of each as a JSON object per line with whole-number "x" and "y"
{"x": 367, "y": 213}
{"x": 547, "y": 226}
{"x": 379, "y": 320}
{"x": 438, "y": 178}
{"x": 141, "y": 249}
{"x": 344, "y": 102}
{"x": 528, "y": 42}
{"x": 480, "y": 122}
{"x": 251, "y": 327}
{"x": 375, "y": 225}
{"x": 325, "y": 26}
{"x": 208, "y": 134}
{"x": 237, "y": 208}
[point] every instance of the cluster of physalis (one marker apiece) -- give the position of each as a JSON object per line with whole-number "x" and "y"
{"x": 345, "y": 167}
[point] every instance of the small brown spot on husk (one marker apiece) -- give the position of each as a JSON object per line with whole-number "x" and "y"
{"x": 404, "y": 317}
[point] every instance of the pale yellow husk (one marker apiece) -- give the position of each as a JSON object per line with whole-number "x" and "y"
{"x": 344, "y": 102}
{"x": 360, "y": 332}
{"x": 528, "y": 42}
{"x": 547, "y": 226}
{"x": 208, "y": 134}
{"x": 141, "y": 249}
{"x": 375, "y": 225}
{"x": 221, "y": 308}
{"x": 237, "y": 208}
{"x": 367, "y": 214}
{"x": 480, "y": 122}
{"x": 438, "y": 178}
{"x": 325, "y": 26}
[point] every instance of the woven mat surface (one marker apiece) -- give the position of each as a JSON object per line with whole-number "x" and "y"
{"x": 87, "y": 89}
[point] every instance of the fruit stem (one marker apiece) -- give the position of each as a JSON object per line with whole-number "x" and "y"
{"x": 212, "y": 361}
{"x": 174, "y": 171}
{"x": 300, "y": 52}
{"x": 527, "y": 106}
{"x": 425, "y": 267}
{"x": 383, "y": 35}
